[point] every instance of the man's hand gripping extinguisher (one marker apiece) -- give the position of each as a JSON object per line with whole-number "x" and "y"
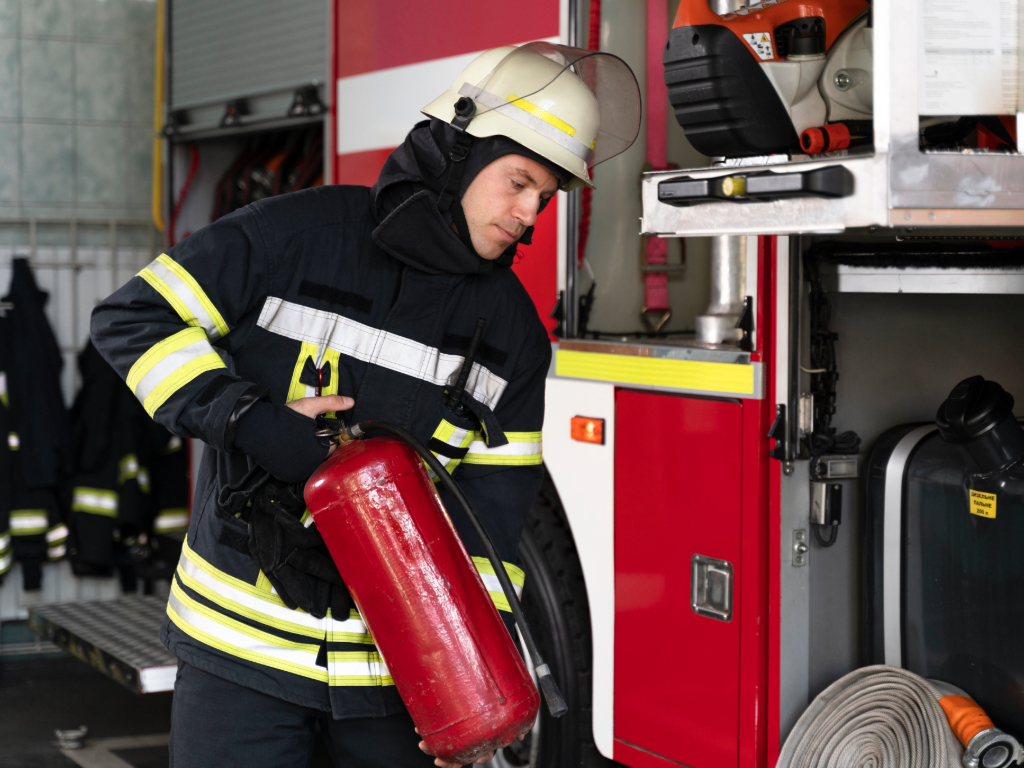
{"x": 433, "y": 621}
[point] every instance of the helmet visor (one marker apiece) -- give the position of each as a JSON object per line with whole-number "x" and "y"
{"x": 586, "y": 101}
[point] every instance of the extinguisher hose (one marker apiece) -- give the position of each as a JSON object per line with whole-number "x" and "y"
{"x": 549, "y": 688}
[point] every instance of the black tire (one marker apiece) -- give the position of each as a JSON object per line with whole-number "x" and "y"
{"x": 555, "y": 604}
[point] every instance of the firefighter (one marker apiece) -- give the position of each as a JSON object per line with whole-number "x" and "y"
{"x": 352, "y": 303}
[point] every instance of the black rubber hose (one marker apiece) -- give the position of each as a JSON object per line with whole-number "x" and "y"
{"x": 556, "y": 703}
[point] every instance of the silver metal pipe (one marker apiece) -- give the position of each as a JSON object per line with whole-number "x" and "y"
{"x": 728, "y": 284}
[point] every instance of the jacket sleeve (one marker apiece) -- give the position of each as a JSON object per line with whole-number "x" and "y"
{"x": 160, "y": 329}
{"x": 502, "y": 482}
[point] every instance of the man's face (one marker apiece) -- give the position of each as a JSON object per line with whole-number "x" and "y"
{"x": 502, "y": 202}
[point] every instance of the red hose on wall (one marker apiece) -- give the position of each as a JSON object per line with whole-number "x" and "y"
{"x": 193, "y": 169}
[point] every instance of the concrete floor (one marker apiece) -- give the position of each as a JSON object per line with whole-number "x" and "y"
{"x": 125, "y": 730}
{"x": 39, "y": 696}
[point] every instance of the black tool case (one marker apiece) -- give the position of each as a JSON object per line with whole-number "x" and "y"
{"x": 944, "y": 588}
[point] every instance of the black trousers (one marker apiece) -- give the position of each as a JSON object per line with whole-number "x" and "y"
{"x": 219, "y": 724}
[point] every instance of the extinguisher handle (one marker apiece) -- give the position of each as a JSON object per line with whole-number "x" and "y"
{"x": 546, "y": 681}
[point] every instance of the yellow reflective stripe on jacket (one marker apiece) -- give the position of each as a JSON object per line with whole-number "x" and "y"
{"x": 515, "y": 575}
{"x": 271, "y": 608}
{"x": 171, "y": 364}
{"x": 240, "y": 640}
{"x": 174, "y": 519}
{"x": 351, "y": 631}
{"x": 207, "y": 624}
{"x": 260, "y": 604}
{"x": 523, "y": 449}
{"x": 6, "y": 553}
{"x": 457, "y": 438}
{"x": 182, "y": 292}
{"x": 55, "y": 542}
{"x": 296, "y": 389}
{"x": 357, "y": 668}
{"x": 28, "y": 522}
{"x": 13, "y": 441}
{"x": 173, "y": 446}
{"x": 244, "y": 609}
{"x": 127, "y": 468}
{"x": 95, "y": 501}
{"x": 55, "y": 535}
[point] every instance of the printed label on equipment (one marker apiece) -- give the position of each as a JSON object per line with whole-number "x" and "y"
{"x": 983, "y": 504}
{"x": 968, "y": 58}
{"x": 761, "y": 42}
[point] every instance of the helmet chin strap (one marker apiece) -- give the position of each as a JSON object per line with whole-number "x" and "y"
{"x": 464, "y": 111}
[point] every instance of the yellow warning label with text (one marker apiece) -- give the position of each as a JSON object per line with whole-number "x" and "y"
{"x": 983, "y": 504}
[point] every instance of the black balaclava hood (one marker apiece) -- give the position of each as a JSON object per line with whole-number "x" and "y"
{"x": 405, "y": 200}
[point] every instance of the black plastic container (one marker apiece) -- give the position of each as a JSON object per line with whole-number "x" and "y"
{"x": 946, "y": 503}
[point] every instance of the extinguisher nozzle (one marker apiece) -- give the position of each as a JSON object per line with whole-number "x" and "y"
{"x": 549, "y": 688}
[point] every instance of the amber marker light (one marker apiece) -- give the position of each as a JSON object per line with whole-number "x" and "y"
{"x": 587, "y": 430}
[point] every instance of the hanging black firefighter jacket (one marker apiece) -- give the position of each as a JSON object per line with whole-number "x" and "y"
{"x": 131, "y": 479}
{"x": 37, "y": 456}
{"x": 306, "y": 289}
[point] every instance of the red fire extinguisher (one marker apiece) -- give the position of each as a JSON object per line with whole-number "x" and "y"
{"x": 435, "y": 625}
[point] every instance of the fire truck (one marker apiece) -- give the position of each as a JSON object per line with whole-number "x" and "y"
{"x": 734, "y": 332}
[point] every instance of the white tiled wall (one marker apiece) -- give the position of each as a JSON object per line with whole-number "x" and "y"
{"x": 76, "y": 106}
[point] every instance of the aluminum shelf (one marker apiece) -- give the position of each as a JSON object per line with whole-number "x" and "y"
{"x": 120, "y": 638}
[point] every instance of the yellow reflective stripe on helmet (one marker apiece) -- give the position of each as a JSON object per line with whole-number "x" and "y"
{"x": 515, "y": 575}
{"x": 531, "y": 121}
{"x": 174, "y": 519}
{"x": 28, "y": 522}
{"x": 523, "y": 449}
{"x": 182, "y": 292}
{"x": 171, "y": 364}
{"x": 543, "y": 114}
{"x": 357, "y": 668}
{"x": 95, "y": 501}
{"x": 240, "y": 640}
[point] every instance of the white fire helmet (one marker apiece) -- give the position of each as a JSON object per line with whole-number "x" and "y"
{"x": 574, "y": 107}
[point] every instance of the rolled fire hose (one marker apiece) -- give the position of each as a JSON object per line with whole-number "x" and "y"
{"x": 885, "y": 717}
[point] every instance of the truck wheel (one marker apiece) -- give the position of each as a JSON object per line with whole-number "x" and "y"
{"x": 555, "y": 604}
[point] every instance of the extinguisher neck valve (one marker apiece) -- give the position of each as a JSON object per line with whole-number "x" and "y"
{"x": 549, "y": 688}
